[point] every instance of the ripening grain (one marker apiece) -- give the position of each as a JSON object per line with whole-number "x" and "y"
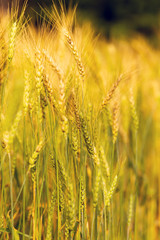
{"x": 79, "y": 133}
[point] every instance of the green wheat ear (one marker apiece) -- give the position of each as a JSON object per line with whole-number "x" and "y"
{"x": 104, "y": 165}
{"x": 96, "y": 187}
{"x": 75, "y": 140}
{"x": 82, "y": 194}
{"x": 27, "y": 90}
{"x": 70, "y": 207}
{"x": 130, "y": 215}
{"x": 49, "y": 90}
{"x": 43, "y": 103}
{"x": 115, "y": 122}
{"x": 110, "y": 94}
{"x": 90, "y": 147}
{"x": 134, "y": 115}
{"x": 111, "y": 191}
{"x": 34, "y": 158}
{"x": 50, "y": 215}
{"x": 9, "y": 136}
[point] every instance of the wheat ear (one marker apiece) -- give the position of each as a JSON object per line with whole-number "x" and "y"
{"x": 115, "y": 116}
{"x": 110, "y": 94}
{"x": 50, "y": 215}
{"x": 26, "y": 95}
{"x": 111, "y": 191}
{"x": 34, "y": 158}
{"x": 75, "y": 53}
{"x": 134, "y": 116}
{"x": 90, "y": 147}
{"x": 12, "y": 41}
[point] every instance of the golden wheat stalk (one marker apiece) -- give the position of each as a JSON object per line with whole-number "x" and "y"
{"x": 34, "y": 158}
{"x": 53, "y": 64}
{"x": 111, "y": 191}
{"x": 134, "y": 116}
{"x": 90, "y": 147}
{"x": 74, "y": 52}
{"x": 49, "y": 90}
{"x": 104, "y": 164}
{"x": 26, "y": 95}
{"x": 50, "y": 215}
{"x": 39, "y": 71}
{"x": 110, "y": 94}
{"x": 115, "y": 117}
{"x": 62, "y": 104}
{"x": 12, "y": 41}
{"x": 8, "y": 136}
{"x": 3, "y": 57}
{"x": 43, "y": 103}
{"x": 96, "y": 187}
{"x": 74, "y": 109}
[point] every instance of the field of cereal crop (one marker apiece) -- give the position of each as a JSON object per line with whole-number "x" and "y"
{"x": 79, "y": 132}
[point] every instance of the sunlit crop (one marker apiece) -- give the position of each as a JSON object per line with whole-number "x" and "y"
{"x": 79, "y": 132}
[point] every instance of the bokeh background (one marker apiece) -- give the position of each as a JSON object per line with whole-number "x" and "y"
{"x": 114, "y": 18}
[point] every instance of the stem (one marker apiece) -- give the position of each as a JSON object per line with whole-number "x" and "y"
{"x": 79, "y": 210}
{"x": 57, "y": 178}
{"x": 24, "y": 170}
{"x": 11, "y": 195}
{"x": 92, "y": 224}
{"x": 104, "y": 220}
{"x": 136, "y": 182}
{"x": 33, "y": 212}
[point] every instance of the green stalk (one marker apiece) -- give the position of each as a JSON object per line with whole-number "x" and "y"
{"x": 21, "y": 189}
{"x": 82, "y": 168}
{"x": 92, "y": 229}
{"x": 105, "y": 219}
{"x": 38, "y": 202}
{"x": 3, "y": 88}
{"x": 136, "y": 182}
{"x": 79, "y": 212}
{"x": 45, "y": 175}
{"x": 57, "y": 183}
{"x": 96, "y": 215}
{"x": 57, "y": 178}
{"x": 11, "y": 195}
{"x": 110, "y": 229}
{"x": 24, "y": 171}
{"x": 3, "y": 187}
{"x": 33, "y": 213}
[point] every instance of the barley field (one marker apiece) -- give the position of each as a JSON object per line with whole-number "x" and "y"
{"x": 79, "y": 132}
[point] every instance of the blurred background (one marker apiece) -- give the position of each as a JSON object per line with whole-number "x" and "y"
{"x": 114, "y": 18}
